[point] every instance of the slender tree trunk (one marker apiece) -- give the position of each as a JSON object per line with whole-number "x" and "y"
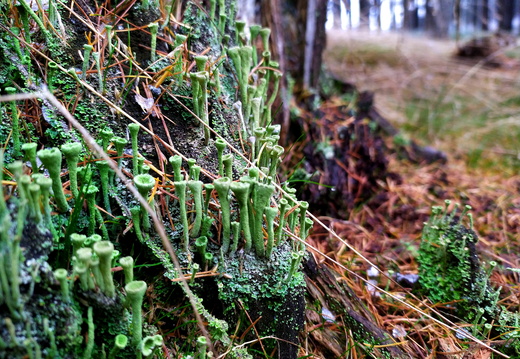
{"x": 438, "y": 17}
{"x": 516, "y": 17}
{"x": 392, "y": 15}
{"x": 430, "y": 24}
{"x": 411, "y": 15}
{"x": 485, "y": 15}
{"x": 406, "y": 14}
{"x": 364, "y": 13}
{"x": 336, "y": 13}
{"x": 348, "y": 9}
{"x": 456, "y": 15}
{"x": 377, "y": 11}
{"x": 506, "y": 10}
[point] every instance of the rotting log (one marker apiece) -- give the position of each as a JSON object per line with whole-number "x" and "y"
{"x": 336, "y": 296}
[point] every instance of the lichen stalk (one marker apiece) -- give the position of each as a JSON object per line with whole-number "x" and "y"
{"x": 261, "y": 201}
{"x": 176, "y": 162}
{"x": 195, "y": 89}
{"x": 106, "y": 135}
{"x": 45, "y": 188}
{"x": 180, "y": 191}
{"x": 144, "y": 183}
{"x": 303, "y": 212}
{"x": 119, "y": 143}
{"x": 307, "y": 225}
{"x": 96, "y": 272}
{"x": 71, "y": 151}
{"x": 104, "y": 250}
{"x": 256, "y": 104}
{"x": 222, "y": 186}
{"x": 77, "y": 240}
{"x": 201, "y": 62}
{"x": 81, "y": 270}
{"x": 51, "y": 74}
{"x": 135, "y": 291}
{"x": 284, "y": 205}
{"x": 120, "y": 343}
{"x": 235, "y": 228}
{"x": 254, "y": 30}
{"x": 154, "y": 27}
{"x": 30, "y": 154}
{"x": 15, "y": 122}
{"x": 202, "y": 78}
{"x": 216, "y": 81}
{"x": 90, "y": 194}
{"x": 87, "y": 50}
{"x": 134, "y": 130}
{"x": 201, "y": 243}
{"x": 179, "y": 51}
{"x": 209, "y": 189}
{"x": 202, "y": 345}
{"x": 97, "y": 58}
{"x": 227, "y": 159}
{"x": 91, "y": 333}
{"x": 268, "y": 108}
{"x": 276, "y": 157}
{"x": 206, "y": 225}
{"x": 61, "y": 276}
{"x": 104, "y": 168}
{"x": 127, "y": 263}
{"x": 3, "y": 205}
{"x": 220, "y": 144}
{"x": 270, "y": 214}
{"x": 51, "y": 159}
{"x": 35, "y": 192}
{"x": 195, "y": 172}
{"x": 295, "y": 262}
{"x": 241, "y": 191}
{"x": 240, "y": 35}
{"x": 196, "y": 190}
{"x": 265, "y": 34}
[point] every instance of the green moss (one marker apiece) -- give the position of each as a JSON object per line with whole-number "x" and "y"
{"x": 450, "y": 271}
{"x": 258, "y": 286}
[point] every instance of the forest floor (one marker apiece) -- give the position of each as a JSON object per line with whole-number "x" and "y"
{"x": 459, "y": 106}
{"x": 471, "y": 113}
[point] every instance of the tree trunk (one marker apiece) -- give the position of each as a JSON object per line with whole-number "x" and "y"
{"x": 438, "y": 17}
{"x": 485, "y": 15}
{"x": 336, "y": 14}
{"x": 392, "y": 15}
{"x": 348, "y": 9}
{"x": 505, "y": 14}
{"x": 364, "y": 13}
{"x": 411, "y": 16}
{"x": 377, "y": 12}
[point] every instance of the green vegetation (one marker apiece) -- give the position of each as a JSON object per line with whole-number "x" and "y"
{"x": 65, "y": 223}
{"x": 450, "y": 272}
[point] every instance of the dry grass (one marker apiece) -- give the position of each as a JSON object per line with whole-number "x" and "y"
{"x": 462, "y": 108}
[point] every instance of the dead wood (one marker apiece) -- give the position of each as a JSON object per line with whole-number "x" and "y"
{"x": 330, "y": 301}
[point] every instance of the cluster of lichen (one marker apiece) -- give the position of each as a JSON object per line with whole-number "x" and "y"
{"x": 451, "y": 272}
{"x": 92, "y": 261}
{"x": 241, "y": 214}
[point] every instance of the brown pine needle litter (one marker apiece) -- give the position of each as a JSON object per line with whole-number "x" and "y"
{"x": 387, "y": 231}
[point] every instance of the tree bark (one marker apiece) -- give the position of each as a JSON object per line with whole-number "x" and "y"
{"x": 438, "y": 17}
{"x": 336, "y": 14}
{"x": 364, "y": 13}
{"x": 505, "y": 14}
